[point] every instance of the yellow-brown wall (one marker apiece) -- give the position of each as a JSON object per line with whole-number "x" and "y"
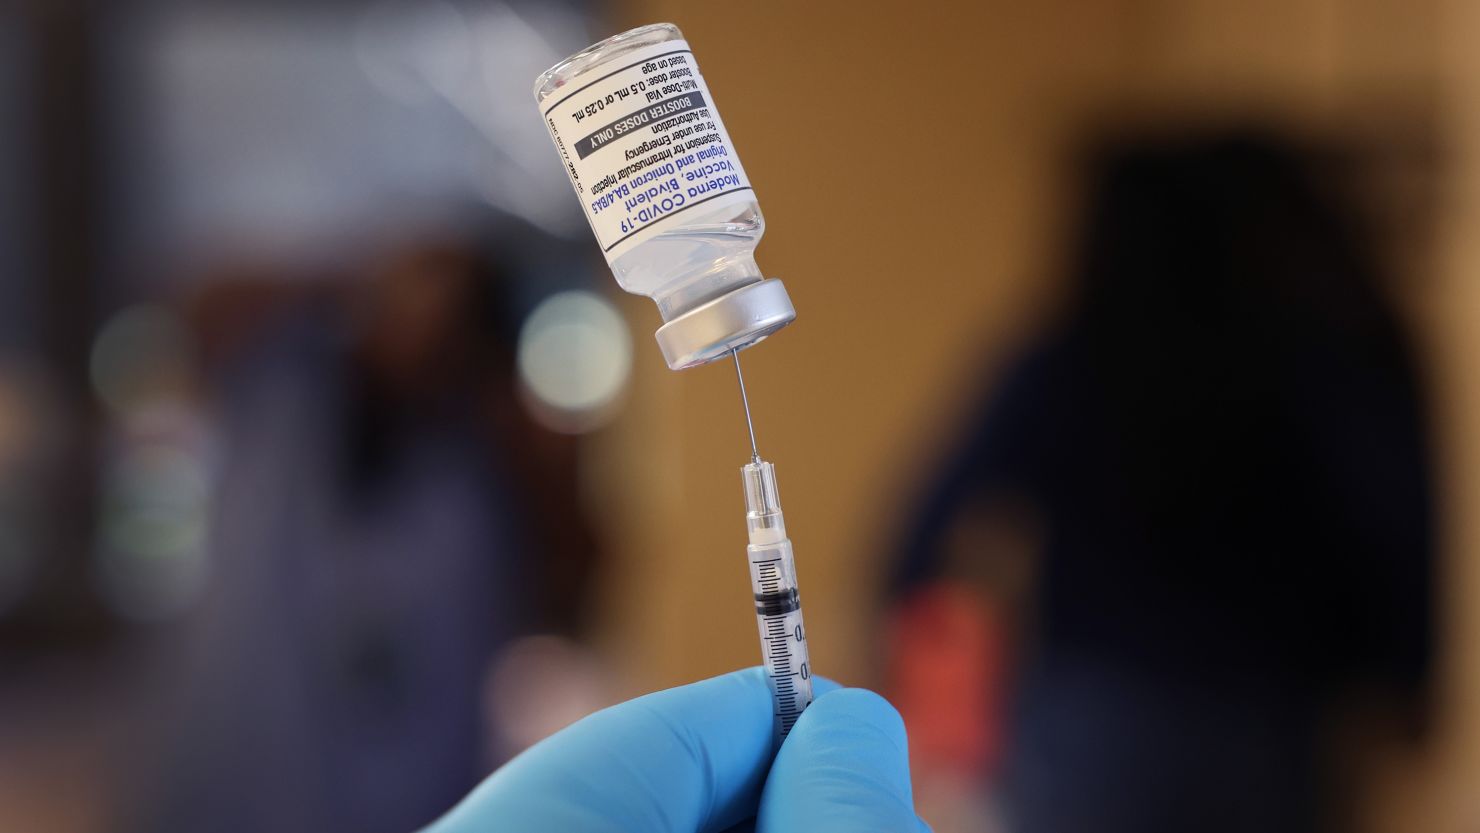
{"x": 910, "y": 161}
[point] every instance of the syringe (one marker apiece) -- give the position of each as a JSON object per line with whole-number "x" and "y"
{"x": 773, "y": 580}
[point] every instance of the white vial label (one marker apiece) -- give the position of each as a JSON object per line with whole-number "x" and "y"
{"x": 644, "y": 146}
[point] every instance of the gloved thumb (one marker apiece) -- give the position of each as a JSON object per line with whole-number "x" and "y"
{"x": 843, "y": 769}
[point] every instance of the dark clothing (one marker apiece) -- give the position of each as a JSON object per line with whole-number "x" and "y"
{"x": 1225, "y": 442}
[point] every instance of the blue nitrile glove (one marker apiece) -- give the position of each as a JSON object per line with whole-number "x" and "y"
{"x": 699, "y": 758}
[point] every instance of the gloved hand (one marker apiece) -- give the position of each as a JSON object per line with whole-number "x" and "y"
{"x": 699, "y": 758}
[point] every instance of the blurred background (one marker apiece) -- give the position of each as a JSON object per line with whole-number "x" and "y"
{"x": 1127, "y": 433}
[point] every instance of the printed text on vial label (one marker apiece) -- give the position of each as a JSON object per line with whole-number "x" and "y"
{"x": 644, "y": 145}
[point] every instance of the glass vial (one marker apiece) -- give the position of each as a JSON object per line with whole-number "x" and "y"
{"x": 667, "y": 198}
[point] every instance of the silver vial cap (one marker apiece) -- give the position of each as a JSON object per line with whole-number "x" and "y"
{"x": 731, "y": 321}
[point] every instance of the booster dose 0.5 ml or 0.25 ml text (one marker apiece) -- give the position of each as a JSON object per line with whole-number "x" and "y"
{"x": 667, "y": 198}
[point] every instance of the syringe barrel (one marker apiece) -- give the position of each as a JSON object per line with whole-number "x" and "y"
{"x": 778, "y": 607}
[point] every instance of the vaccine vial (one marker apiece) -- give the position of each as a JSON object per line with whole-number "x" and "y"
{"x": 667, "y": 198}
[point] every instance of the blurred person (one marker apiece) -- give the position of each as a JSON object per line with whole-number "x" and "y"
{"x": 387, "y": 517}
{"x": 1200, "y": 503}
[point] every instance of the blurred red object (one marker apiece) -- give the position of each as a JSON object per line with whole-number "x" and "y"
{"x": 948, "y": 675}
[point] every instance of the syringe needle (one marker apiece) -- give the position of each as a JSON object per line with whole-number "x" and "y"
{"x": 755, "y": 454}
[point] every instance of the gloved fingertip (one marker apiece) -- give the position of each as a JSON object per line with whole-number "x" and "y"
{"x": 843, "y": 768}
{"x": 863, "y": 708}
{"x": 687, "y": 758}
{"x": 824, "y": 685}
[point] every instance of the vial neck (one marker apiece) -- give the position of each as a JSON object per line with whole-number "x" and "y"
{"x": 695, "y": 291}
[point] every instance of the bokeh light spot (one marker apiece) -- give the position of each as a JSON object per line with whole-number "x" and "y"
{"x": 575, "y": 357}
{"x": 142, "y": 354}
